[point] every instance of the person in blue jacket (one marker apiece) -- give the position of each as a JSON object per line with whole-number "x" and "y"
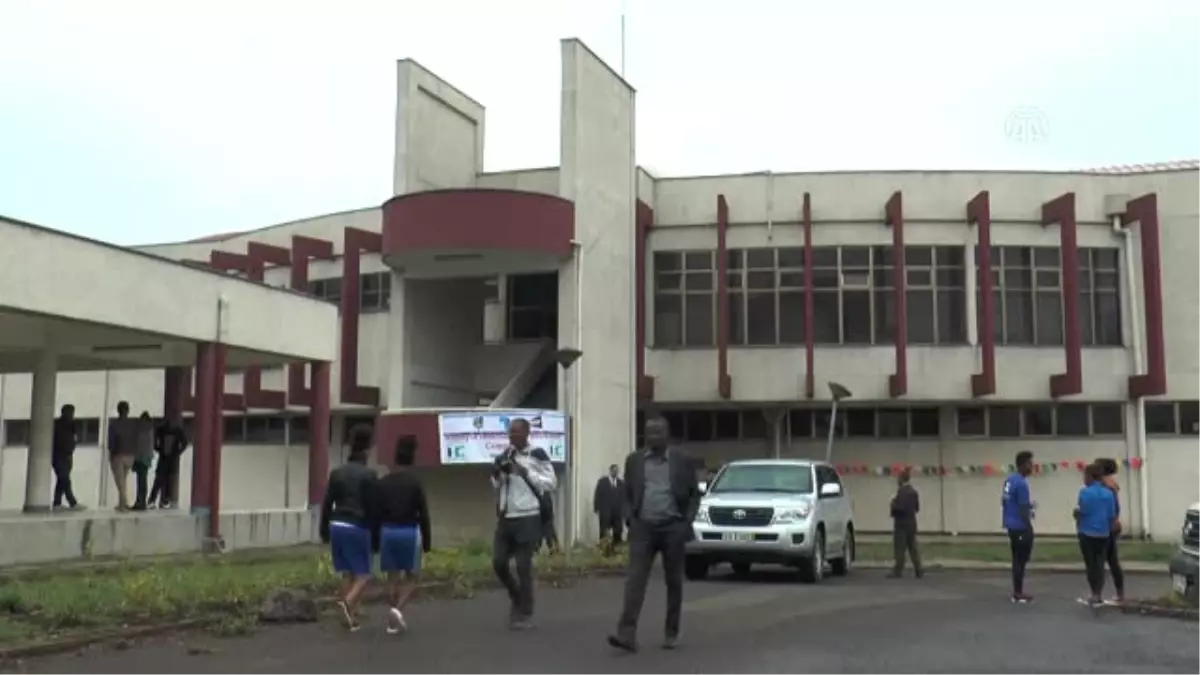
{"x": 1016, "y": 509}
{"x": 1096, "y": 515}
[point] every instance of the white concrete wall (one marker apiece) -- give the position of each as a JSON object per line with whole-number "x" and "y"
{"x": 598, "y": 175}
{"x": 443, "y": 333}
{"x": 439, "y": 133}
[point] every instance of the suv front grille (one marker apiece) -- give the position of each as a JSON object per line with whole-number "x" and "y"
{"x": 734, "y": 516}
{"x": 1191, "y": 530}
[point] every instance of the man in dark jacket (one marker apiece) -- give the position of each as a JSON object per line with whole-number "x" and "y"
{"x": 63, "y": 457}
{"x": 347, "y": 523}
{"x": 170, "y": 441}
{"x": 905, "y": 507}
{"x": 663, "y": 496}
{"x": 609, "y": 505}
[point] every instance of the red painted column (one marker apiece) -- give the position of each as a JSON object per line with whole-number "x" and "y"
{"x": 206, "y": 409}
{"x": 318, "y": 433}
{"x": 1144, "y": 211}
{"x": 810, "y": 346}
{"x": 304, "y": 249}
{"x": 894, "y": 218}
{"x": 645, "y": 221}
{"x": 979, "y": 213}
{"x": 1061, "y": 210}
{"x": 724, "y": 381}
{"x": 258, "y": 256}
{"x": 217, "y": 429}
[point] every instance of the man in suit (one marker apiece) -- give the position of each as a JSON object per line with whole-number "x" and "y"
{"x": 662, "y": 496}
{"x": 609, "y": 504}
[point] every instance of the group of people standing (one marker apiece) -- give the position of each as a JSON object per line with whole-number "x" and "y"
{"x": 658, "y": 499}
{"x": 133, "y": 445}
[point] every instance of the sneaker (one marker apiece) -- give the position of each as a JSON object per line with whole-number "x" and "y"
{"x": 670, "y": 642}
{"x": 78, "y": 507}
{"x": 396, "y": 622}
{"x": 522, "y": 623}
{"x": 1021, "y": 599}
{"x": 351, "y": 622}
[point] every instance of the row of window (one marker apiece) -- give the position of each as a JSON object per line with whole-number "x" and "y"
{"x": 375, "y": 290}
{"x": 1067, "y": 420}
{"x": 1078, "y": 420}
{"x": 853, "y": 298}
{"x": 237, "y": 430}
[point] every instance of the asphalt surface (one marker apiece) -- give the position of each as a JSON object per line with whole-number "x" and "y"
{"x": 948, "y": 622}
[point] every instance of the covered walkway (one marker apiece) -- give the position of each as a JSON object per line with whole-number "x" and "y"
{"x": 73, "y": 304}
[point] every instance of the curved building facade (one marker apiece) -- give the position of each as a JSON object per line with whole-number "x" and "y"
{"x": 971, "y": 315}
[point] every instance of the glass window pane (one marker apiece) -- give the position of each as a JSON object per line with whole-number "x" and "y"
{"x": 737, "y": 318}
{"x": 826, "y": 278}
{"x": 860, "y": 422}
{"x": 699, "y": 281}
{"x": 952, "y": 317}
{"x": 918, "y": 255}
{"x": 727, "y": 425}
{"x": 1160, "y": 418}
{"x": 791, "y": 280}
{"x": 1108, "y": 419}
{"x": 668, "y": 320}
{"x": 856, "y": 317}
{"x": 791, "y": 258}
{"x": 734, "y": 257}
{"x": 761, "y": 280}
{"x": 800, "y": 421}
{"x": 925, "y": 422}
{"x": 821, "y": 423}
{"x": 1018, "y": 318}
{"x": 791, "y": 317}
{"x": 1039, "y": 420}
{"x": 893, "y": 423}
{"x": 1108, "y": 319}
{"x": 1189, "y": 418}
{"x": 1004, "y": 421}
{"x": 698, "y": 260}
{"x": 1073, "y": 419}
{"x": 856, "y": 256}
{"x": 1049, "y": 318}
{"x": 754, "y": 425}
{"x": 885, "y": 317}
{"x": 760, "y": 258}
{"x": 971, "y": 421}
{"x": 667, "y": 281}
{"x": 826, "y": 317}
{"x": 1087, "y": 332}
{"x": 699, "y": 313}
{"x": 825, "y": 256}
{"x": 698, "y": 425}
{"x": 760, "y": 318}
{"x": 1045, "y": 257}
{"x": 668, "y": 261}
{"x": 920, "y": 317}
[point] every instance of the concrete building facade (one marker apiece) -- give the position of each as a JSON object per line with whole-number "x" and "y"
{"x": 971, "y": 314}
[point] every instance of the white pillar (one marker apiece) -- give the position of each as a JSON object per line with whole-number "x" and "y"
{"x": 41, "y": 433}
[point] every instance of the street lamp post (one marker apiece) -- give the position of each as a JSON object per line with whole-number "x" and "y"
{"x": 566, "y": 357}
{"x": 838, "y": 392}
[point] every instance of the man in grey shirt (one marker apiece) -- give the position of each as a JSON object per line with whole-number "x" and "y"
{"x": 662, "y": 497}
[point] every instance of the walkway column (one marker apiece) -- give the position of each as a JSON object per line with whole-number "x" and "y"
{"x": 38, "y": 476}
{"x": 202, "y": 427}
{"x": 220, "y": 353}
{"x": 318, "y": 433}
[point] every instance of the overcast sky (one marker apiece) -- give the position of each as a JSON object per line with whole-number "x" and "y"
{"x": 163, "y": 120}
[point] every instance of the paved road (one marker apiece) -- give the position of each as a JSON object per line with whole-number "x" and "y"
{"x": 948, "y": 622}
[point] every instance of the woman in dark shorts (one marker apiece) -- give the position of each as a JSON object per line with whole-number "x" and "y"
{"x": 402, "y": 516}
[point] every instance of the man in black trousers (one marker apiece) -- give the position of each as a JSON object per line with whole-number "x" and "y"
{"x": 609, "y": 504}
{"x": 662, "y": 496}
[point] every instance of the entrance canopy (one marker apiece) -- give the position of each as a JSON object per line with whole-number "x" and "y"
{"x": 100, "y": 306}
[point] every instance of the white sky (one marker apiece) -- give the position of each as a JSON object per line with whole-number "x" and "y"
{"x": 140, "y": 122}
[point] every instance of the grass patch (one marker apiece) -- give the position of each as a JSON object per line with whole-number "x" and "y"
{"x": 1044, "y": 551}
{"x": 39, "y": 602}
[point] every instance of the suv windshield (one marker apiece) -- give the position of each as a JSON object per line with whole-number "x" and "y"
{"x": 764, "y": 478}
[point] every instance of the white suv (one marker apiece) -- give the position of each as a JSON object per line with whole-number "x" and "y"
{"x": 774, "y": 511}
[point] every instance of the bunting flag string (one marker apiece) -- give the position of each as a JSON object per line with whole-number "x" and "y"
{"x": 857, "y": 468}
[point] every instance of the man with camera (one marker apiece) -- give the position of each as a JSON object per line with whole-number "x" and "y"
{"x": 521, "y": 476}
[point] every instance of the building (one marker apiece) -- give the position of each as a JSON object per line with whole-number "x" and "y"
{"x": 971, "y": 314}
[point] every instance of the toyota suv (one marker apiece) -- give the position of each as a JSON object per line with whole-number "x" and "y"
{"x": 1184, "y": 564}
{"x": 789, "y": 512}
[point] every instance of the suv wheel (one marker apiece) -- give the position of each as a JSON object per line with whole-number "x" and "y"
{"x": 812, "y": 570}
{"x": 695, "y": 568}
{"x": 840, "y": 567}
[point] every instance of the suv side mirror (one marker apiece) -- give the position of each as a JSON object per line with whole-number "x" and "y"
{"x": 831, "y": 490}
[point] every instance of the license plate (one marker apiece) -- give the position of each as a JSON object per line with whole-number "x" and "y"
{"x": 738, "y": 536}
{"x": 1179, "y": 583}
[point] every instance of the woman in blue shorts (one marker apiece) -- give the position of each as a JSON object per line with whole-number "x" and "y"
{"x": 402, "y": 515}
{"x": 346, "y": 523}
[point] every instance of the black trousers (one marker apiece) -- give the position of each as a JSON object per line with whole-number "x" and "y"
{"x": 1021, "y": 544}
{"x": 141, "y": 474}
{"x": 1094, "y": 550}
{"x": 646, "y": 541}
{"x": 517, "y": 539}
{"x": 612, "y": 526}
{"x": 62, "y": 481}
{"x": 166, "y": 475}
{"x": 904, "y": 544}
{"x": 1114, "y": 565}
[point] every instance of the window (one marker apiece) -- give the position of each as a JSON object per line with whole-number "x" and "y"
{"x": 533, "y": 306}
{"x": 1099, "y": 297}
{"x": 727, "y": 424}
{"x": 763, "y": 478}
{"x": 298, "y": 430}
{"x": 16, "y": 432}
{"x": 926, "y": 422}
{"x": 800, "y": 423}
{"x": 698, "y": 426}
{"x": 865, "y": 422}
{"x": 1067, "y": 420}
{"x": 860, "y": 422}
{"x": 254, "y": 430}
{"x": 87, "y": 431}
{"x": 1189, "y": 418}
{"x": 1160, "y": 418}
{"x": 1028, "y": 296}
{"x": 893, "y": 423}
{"x": 935, "y": 286}
{"x": 766, "y": 296}
{"x": 375, "y": 290}
{"x": 754, "y": 425}
{"x": 684, "y": 299}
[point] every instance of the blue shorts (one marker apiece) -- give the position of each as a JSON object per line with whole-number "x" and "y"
{"x": 400, "y": 549}
{"x": 351, "y": 547}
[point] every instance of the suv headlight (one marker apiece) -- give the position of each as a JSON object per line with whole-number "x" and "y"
{"x": 793, "y": 515}
{"x": 702, "y": 515}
